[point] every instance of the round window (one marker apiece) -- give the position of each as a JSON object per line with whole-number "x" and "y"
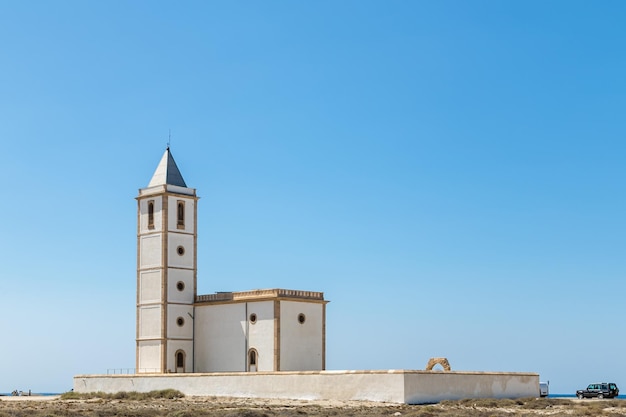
{"x": 180, "y": 285}
{"x": 180, "y": 250}
{"x": 252, "y": 318}
{"x": 301, "y": 318}
{"x": 180, "y": 321}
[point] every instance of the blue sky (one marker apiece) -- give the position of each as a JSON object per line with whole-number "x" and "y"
{"x": 449, "y": 173}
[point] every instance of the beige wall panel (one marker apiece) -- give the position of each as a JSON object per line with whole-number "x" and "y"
{"x": 150, "y": 286}
{"x": 186, "y": 277}
{"x": 149, "y": 322}
{"x": 175, "y": 259}
{"x": 184, "y": 312}
{"x": 149, "y": 356}
{"x": 150, "y": 251}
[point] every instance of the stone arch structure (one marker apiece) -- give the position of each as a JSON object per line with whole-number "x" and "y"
{"x": 438, "y": 361}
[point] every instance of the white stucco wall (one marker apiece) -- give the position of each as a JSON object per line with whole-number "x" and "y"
{"x": 394, "y": 386}
{"x": 261, "y": 333}
{"x": 458, "y": 385}
{"x": 301, "y": 344}
{"x": 220, "y": 343}
{"x": 224, "y": 335}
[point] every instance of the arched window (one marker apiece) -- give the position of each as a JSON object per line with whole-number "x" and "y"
{"x": 180, "y": 361}
{"x": 253, "y": 358}
{"x": 151, "y": 214}
{"x": 180, "y": 215}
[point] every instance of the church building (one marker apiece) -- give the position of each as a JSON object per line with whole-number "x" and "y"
{"x": 181, "y": 331}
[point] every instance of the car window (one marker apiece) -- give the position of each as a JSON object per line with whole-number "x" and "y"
{"x": 604, "y": 386}
{"x": 590, "y": 386}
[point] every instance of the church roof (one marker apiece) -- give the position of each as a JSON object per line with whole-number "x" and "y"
{"x": 256, "y": 295}
{"x": 167, "y": 172}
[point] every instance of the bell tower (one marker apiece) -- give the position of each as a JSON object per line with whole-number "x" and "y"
{"x": 166, "y": 271}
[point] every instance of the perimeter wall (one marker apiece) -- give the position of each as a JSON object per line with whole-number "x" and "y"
{"x": 393, "y": 386}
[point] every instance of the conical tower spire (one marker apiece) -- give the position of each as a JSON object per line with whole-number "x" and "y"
{"x": 167, "y": 172}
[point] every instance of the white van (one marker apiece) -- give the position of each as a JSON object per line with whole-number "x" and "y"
{"x": 544, "y": 389}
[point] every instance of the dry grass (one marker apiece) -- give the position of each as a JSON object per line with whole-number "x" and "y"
{"x": 170, "y": 403}
{"x": 168, "y": 394}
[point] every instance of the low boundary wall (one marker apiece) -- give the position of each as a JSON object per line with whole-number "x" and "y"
{"x": 393, "y": 386}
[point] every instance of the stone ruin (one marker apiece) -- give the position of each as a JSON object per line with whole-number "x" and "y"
{"x": 438, "y": 361}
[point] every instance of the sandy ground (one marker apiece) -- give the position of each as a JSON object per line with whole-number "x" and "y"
{"x": 226, "y": 401}
{"x": 30, "y": 398}
{"x": 45, "y": 406}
